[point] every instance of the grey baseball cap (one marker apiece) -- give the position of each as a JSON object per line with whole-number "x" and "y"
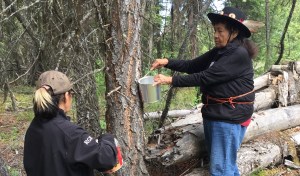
{"x": 58, "y": 81}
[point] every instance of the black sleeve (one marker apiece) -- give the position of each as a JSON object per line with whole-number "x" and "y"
{"x": 228, "y": 67}
{"x": 100, "y": 154}
{"x": 191, "y": 66}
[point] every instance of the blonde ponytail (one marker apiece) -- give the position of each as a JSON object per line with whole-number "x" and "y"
{"x": 42, "y": 99}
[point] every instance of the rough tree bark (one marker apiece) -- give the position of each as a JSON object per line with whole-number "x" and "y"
{"x": 87, "y": 107}
{"x": 124, "y": 116}
{"x": 268, "y": 41}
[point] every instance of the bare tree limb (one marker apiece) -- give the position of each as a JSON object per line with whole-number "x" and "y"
{"x": 284, "y": 32}
{"x": 115, "y": 90}
{"x": 92, "y": 72}
{"x": 23, "y": 22}
{"x": 36, "y": 58}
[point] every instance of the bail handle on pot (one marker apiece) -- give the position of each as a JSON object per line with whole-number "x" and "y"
{"x": 150, "y": 93}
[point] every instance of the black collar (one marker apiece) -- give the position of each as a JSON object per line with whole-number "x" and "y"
{"x": 62, "y": 114}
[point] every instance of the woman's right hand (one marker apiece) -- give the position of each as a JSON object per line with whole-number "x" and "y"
{"x": 158, "y": 63}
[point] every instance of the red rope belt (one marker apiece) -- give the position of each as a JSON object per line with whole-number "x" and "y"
{"x": 229, "y": 100}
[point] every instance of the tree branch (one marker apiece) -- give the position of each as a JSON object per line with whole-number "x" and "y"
{"x": 92, "y": 72}
{"x": 284, "y": 32}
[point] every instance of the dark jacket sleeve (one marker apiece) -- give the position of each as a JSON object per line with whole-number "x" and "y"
{"x": 96, "y": 153}
{"x": 191, "y": 66}
{"x": 230, "y": 66}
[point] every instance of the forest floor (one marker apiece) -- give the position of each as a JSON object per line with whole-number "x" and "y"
{"x": 13, "y": 126}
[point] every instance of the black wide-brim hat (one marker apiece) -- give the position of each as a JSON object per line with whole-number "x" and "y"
{"x": 234, "y": 16}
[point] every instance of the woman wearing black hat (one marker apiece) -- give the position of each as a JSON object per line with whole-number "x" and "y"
{"x": 225, "y": 76}
{"x": 54, "y": 145}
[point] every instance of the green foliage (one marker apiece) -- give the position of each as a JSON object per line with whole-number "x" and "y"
{"x": 101, "y": 89}
{"x": 13, "y": 171}
{"x": 185, "y": 99}
{"x": 102, "y": 124}
{"x": 25, "y": 115}
{"x": 271, "y": 171}
{"x": 279, "y": 11}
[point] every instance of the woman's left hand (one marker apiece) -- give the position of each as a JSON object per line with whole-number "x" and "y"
{"x": 162, "y": 79}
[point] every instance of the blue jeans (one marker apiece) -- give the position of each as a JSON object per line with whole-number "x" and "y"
{"x": 223, "y": 141}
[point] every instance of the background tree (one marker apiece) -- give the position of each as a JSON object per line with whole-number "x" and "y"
{"x": 281, "y": 50}
{"x": 124, "y": 113}
{"x": 267, "y": 22}
{"x": 60, "y": 36}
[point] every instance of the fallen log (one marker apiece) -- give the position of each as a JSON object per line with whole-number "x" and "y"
{"x": 184, "y": 139}
{"x": 268, "y": 149}
{"x": 171, "y": 114}
{"x": 296, "y": 138}
{"x": 291, "y": 164}
{"x": 263, "y": 152}
{"x": 264, "y": 99}
{"x": 251, "y": 157}
{"x": 262, "y": 81}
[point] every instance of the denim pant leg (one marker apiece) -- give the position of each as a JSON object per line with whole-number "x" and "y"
{"x": 223, "y": 141}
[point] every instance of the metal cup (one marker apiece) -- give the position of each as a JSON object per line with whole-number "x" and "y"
{"x": 150, "y": 93}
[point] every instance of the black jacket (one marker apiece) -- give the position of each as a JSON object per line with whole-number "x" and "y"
{"x": 58, "y": 147}
{"x": 220, "y": 73}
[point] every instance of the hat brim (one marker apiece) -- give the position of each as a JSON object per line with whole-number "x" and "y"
{"x": 217, "y": 17}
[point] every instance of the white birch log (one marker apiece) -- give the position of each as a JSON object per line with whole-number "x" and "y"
{"x": 262, "y": 81}
{"x": 296, "y": 138}
{"x": 283, "y": 89}
{"x": 251, "y": 157}
{"x": 264, "y": 99}
{"x": 279, "y": 67}
{"x": 171, "y": 114}
{"x": 177, "y": 143}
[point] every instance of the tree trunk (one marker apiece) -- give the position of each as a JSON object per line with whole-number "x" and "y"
{"x": 124, "y": 116}
{"x": 87, "y": 107}
{"x": 268, "y": 41}
{"x": 285, "y": 31}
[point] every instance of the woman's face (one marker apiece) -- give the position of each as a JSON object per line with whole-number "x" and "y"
{"x": 68, "y": 98}
{"x": 222, "y": 34}
{"x": 66, "y": 103}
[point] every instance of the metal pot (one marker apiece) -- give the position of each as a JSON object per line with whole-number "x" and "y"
{"x": 149, "y": 92}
